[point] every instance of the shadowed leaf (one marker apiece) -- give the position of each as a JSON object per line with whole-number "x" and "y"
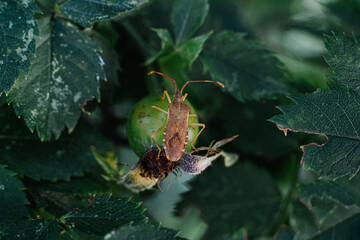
{"x": 34, "y": 229}
{"x": 248, "y": 71}
{"x": 187, "y": 16}
{"x": 242, "y": 205}
{"x": 69, "y": 156}
{"x": 105, "y": 215}
{"x": 142, "y": 231}
{"x": 12, "y": 199}
{"x": 86, "y": 12}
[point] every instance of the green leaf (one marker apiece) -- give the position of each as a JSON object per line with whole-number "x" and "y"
{"x": 167, "y": 44}
{"x": 238, "y": 235}
{"x": 191, "y": 49}
{"x": 17, "y": 38}
{"x": 332, "y": 113}
{"x": 34, "y": 229}
{"x": 69, "y": 156}
{"x": 348, "y": 229}
{"x": 65, "y": 72}
{"x": 242, "y": 204}
{"x": 302, "y": 219}
{"x": 344, "y": 60}
{"x": 86, "y": 12}
{"x": 111, "y": 67}
{"x": 12, "y": 199}
{"x": 248, "y": 71}
{"x": 333, "y": 190}
{"x": 187, "y": 16}
{"x": 142, "y": 231}
{"x": 104, "y": 215}
{"x": 249, "y": 118}
{"x": 346, "y": 11}
{"x": 182, "y": 56}
{"x": 285, "y": 234}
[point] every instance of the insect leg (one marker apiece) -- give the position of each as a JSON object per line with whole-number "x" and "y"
{"x": 184, "y": 97}
{"x": 152, "y": 137}
{"x": 200, "y": 125}
{"x": 155, "y": 107}
{"x": 167, "y": 96}
{"x": 192, "y": 115}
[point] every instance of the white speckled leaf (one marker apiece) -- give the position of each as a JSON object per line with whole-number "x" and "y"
{"x": 65, "y": 72}
{"x": 86, "y": 12}
{"x": 17, "y": 31}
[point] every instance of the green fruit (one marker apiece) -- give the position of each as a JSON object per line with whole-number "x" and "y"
{"x": 139, "y": 128}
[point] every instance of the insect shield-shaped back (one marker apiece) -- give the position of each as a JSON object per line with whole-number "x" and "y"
{"x": 176, "y": 130}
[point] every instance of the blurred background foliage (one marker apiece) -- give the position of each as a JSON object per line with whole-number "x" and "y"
{"x": 256, "y": 198}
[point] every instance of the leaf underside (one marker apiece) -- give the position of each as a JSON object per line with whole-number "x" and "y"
{"x": 17, "y": 36}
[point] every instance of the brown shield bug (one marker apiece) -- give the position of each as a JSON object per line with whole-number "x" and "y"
{"x": 176, "y": 128}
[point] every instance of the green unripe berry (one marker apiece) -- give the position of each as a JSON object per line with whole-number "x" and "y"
{"x": 140, "y": 128}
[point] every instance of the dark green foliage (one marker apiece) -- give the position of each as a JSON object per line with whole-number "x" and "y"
{"x": 233, "y": 199}
{"x": 344, "y": 60}
{"x": 142, "y": 231}
{"x": 17, "y": 37}
{"x": 54, "y": 55}
{"x": 33, "y": 229}
{"x": 347, "y": 230}
{"x": 104, "y": 215}
{"x": 12, "y": 199}
{"x": 285, "y": 234}
{"x": 333, "y": 190}
{"x": 69, "y": 156}
{"x": 248, "y": 71}
{"x": 87, "y": 12}
{"x": 187, "y": 16}
{"x": 330, "y": 112}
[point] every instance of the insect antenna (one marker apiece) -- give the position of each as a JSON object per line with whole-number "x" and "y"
{"x": 192, "y": 81}
{"x": 163, "y": 76}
